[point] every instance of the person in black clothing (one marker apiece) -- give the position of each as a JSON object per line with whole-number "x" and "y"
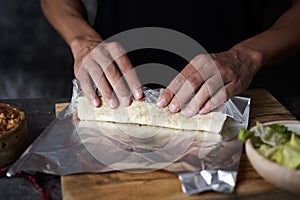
{"x": 239, "y": 36}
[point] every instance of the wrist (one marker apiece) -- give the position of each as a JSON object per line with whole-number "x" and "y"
{"x": 254, "y": 57}
{"x": 78, "y": 44}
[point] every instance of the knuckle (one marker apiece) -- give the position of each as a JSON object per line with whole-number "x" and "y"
{"x": 194, "y": 82}
{"x": 98, "y": 80}
{"x": 106, "y": 92}
{"x": 80, "y": 74}
{"x": 179, "y": 79}
{"x": 167, "y": 94}
{"x": 211, "y": 88}
{"x": 116, "y": 50}
{"x": 204, "y": 92}
{"x": 200, "y": 58}
{"x": 99, "y": 50}
{"x": 126, "y": 67}
{"x": 86, "y": 60}
{"x": 115, "y": 46}
{"x": 83, "y": 80}
{"x": 112, "y": 71}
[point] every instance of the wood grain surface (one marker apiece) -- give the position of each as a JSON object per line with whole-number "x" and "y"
{"x": 165, "y": 185}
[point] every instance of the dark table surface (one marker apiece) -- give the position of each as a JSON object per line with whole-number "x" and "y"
{"x": 39, "y": 113}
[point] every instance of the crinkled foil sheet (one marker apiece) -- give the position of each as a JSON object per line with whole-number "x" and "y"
{"x": 65, "y": 147}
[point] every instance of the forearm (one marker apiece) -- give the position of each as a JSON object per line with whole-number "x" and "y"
{"x": 68, "y": 17}
{"x": 278, "y": 42}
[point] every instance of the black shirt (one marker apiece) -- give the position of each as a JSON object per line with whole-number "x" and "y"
{"x": 215, "y": 24}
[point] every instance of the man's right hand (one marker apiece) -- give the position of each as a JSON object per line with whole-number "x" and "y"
{"x": 106, "y": 66}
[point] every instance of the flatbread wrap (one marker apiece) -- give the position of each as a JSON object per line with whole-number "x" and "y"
{"x": 140, "y": 112}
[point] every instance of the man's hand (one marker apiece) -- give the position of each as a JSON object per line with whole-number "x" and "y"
{"x": 232, "y": 71}
{"x": 209, "y": 80}
{"x": 96, "y": 62}
{"x": 106, "y": 66}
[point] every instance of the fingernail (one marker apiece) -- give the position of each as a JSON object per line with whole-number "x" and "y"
{"x": 137, "y": 93}
{"x": 125, "y": 101}
{"x": 188, "y": 112}
{"x": 161, "y": 102}
{"x": 172, "y": 108}
{"x": 112, "y": 103}
{"x": 96, "y": 102}
{"x": 202, "y": 111}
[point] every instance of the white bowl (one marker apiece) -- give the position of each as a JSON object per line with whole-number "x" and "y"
{"x": 279, "y": 176}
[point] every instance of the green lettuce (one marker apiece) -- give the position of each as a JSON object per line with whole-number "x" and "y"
{"x": 275, "y": 142}
{"x": 288, "y": 154}
{"x": 272, "y": 135}
{"x": 244, "y": 134}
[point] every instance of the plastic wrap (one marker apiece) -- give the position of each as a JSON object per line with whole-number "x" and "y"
{"x": 201, "y": 161}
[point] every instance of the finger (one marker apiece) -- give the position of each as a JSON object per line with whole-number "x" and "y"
{"x": 186, "y": 92}
{"x": 120, "y": 57}
{"x": 87, "y": 88}
{"x": 205, "y": 93}
{"x": 167, "y": 95}
{"x": 204, "y": 65}
{"x": 214, "y": 101}
{"x": 112, "y": 75}
{"x": 116, "y": 81}
{"x": 102, "y": 84}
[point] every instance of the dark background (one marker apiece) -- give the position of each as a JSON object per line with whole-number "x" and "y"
{"x": 35, "y": 62}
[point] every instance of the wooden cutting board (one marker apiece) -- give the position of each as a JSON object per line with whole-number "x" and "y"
{"x": 165, "y": 185}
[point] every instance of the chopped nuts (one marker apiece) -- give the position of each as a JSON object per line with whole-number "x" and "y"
{"x": 8, "y": 120}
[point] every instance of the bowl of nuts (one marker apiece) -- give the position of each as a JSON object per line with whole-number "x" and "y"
{"x": 13, "y": 133}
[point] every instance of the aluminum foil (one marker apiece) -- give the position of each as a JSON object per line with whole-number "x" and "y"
{"x": 201, "y": 161}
